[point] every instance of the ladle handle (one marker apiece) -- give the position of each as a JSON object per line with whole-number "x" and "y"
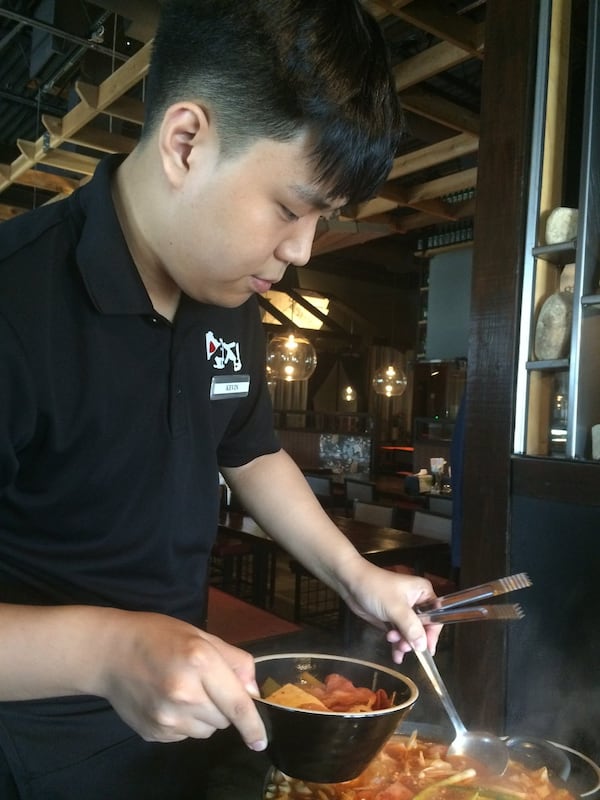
{"x": 429, "y": 666}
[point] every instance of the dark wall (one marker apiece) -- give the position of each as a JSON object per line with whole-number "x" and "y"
{"x": 449, "y": 308}
{"x": 554, "y": 652}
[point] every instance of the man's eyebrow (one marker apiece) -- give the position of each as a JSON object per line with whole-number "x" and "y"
{"x": 312, "y": 197}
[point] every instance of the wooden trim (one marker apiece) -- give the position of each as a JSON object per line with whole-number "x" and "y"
{"x": 498, "y": 254}
{"x": 551, "y": 479}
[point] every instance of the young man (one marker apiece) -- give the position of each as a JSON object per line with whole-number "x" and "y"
{"x": 126, "y": 312}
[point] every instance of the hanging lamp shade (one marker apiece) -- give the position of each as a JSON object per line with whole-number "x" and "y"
{"x": 290, "y": 358}
{"x": 389, "y": 381}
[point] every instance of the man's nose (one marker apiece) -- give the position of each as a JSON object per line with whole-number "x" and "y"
{"x": 296, "y": 248}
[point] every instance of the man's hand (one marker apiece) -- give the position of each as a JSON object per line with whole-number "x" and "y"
{"x": 386, "y": 599}
{"x": 169, "y": 680}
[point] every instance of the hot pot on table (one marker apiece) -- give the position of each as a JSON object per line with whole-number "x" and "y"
{"x": 582, "y": 781}
{"x": 329, "y": 748}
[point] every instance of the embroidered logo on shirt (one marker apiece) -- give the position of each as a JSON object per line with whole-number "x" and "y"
{"x": 222, "y": 353}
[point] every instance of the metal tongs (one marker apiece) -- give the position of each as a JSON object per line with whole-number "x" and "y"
{"x": 448, "y": 608}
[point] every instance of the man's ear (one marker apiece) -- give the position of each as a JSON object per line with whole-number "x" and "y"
{"x": 185, "y": 126}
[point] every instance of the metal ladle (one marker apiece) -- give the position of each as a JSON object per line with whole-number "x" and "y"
{"x": 489, "y": 750}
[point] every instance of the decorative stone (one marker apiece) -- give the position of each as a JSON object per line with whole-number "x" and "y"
{"x": 567, "y": 278}
{"x": 561, "y": 225}
{"x": 553, "y": 328}
{"x": 596, "y": 442}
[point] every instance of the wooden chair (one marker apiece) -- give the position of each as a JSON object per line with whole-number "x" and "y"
{"x": 355, "y": 489}
{"x": 322, "y": 486}
{"x": 374, "y": 513}
{"x": 442, "y": 504}
{"x": 437, "y": 526}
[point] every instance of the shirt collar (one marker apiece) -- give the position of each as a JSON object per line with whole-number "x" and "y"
{"x": 108, "y": 271}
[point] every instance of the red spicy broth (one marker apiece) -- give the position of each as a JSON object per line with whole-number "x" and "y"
{"x": 409, "y": 768}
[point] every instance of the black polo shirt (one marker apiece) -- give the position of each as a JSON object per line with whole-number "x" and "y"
{"x": 113, "y": 421}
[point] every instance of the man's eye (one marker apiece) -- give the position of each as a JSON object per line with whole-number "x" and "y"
{"x": 289, "y": 214}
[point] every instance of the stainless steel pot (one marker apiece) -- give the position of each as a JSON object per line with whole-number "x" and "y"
{"x": 570, "y": 768}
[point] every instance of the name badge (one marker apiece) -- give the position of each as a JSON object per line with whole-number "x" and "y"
{"x": 224, "y": 387}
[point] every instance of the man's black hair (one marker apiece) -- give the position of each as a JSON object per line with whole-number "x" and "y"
{"x": 277, "y": 68}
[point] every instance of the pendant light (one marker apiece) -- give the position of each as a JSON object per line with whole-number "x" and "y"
{"x": 389, "y": 381}
{"x": 290, "y": 358}
{"x": 349, "y": 394}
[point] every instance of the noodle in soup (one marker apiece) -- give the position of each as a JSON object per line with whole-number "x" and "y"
{"x": 409, "y": 768}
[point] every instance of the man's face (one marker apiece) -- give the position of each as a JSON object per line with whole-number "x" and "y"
{"x": 237, "y": 223}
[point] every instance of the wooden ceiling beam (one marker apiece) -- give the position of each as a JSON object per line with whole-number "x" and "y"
{"x": 458, "y": 30}
{"x": 455, "y": 182}
{"x": 382, "y": 8}
{"x": 439, "y": 58}
{"x": 9, "y": 212}
{"x": 392, "y": 196}
{"x": 412, "y": 222}
{"x": 91, "y": 137}
{"x": 126, "y": 108}
{"x": 336, "y": 234}
{"x": 349, "y": 227}
{"x": 438, "y": 109}
{"x": 325, "y": 319}
{"x": 435, "y": 206}
{"x": 126, "y": 76}
{"x": 446, "y": 150}
{"x": 378, "y": 205}
{"x": 435, "y": 154}
{"x": 461, "y": 40}
{"x": 123, "y": 79}
{"x": 268, "y": 306}
{"x": 46, "y": 181}
{"x": 60, "y": 159}
{"x": 71, "y": 162}
{"x": 423, "y": 219}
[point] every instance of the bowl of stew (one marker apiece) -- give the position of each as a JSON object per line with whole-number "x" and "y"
{"x": 328, "y": 716}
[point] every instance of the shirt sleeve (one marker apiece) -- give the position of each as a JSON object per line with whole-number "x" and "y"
{"x": 250, "y": 433}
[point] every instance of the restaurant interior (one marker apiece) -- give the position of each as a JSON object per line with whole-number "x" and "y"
{"x": 412, "y": 377}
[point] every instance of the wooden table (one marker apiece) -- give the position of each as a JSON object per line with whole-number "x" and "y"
{"x": 388, "y": 546}
{"x": 379, "y": 545}
{"x": 383, "y": 546}
{"x": 239, "y": 622}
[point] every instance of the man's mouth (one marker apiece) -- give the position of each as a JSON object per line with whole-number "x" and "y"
{"x": 260, "y": 285}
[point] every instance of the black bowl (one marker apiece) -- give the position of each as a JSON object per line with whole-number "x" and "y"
{"x": 328, "y": 747}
